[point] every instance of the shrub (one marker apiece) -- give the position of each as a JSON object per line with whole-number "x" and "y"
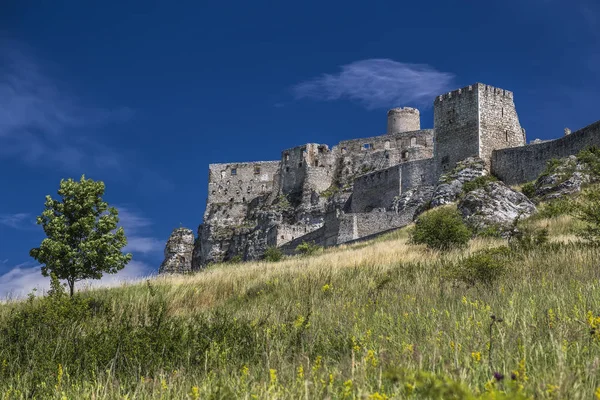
{"x": 528, "y": 189}
{"x": 478, "y": 183}
{"x": 273, "y": 254}
{"x": 527, "y": 238}
{"x": 492, "y": 231}
{"x": 235, "y": 259}
{"x": 591, "y": 157}
{"x": 589, "y": 212}
{"x": 557, "y": 207}
{"x": 330, "y": 191}
{"x": 482, "y": 267}
{"x": 441, "y": 229}
{"x": 308, "y": 248}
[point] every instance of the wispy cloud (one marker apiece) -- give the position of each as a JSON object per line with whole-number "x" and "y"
{"x": 136, "y": 227}
{"x": 40, "y": 119}
{"x": 21, "y": 221}
{"x": 22, "y": 279}
{"x": 378, "y": 83}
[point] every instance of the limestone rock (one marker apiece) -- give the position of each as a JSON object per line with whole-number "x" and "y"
{"x": 566, "y": 178}
{"x": 178, "y": 252}
{"x": 416, "y": 199}
{"x": 494, "y": 205}
{"x": 451, "y": 184}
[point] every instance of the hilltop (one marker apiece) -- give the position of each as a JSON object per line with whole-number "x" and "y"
{"x": 378, "y": 319}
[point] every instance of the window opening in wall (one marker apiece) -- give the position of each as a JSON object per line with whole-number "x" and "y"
{"x": 243, "y": 199}
{"x": 386, "y": 145}
{"x": 506, "y": 133}
{"x": 321, "y": 149}
{"x": 316, "y": 163}
{"x": 287, "y": 169}
{"x": 387, "y": 156}
{"x": 344, "y": 150}
{"x": 404, "y": 154}
{"x": 256, "y": 170}
{"x": 503, "y": 111}
{"x": 286, "y": 156}
{"x": 223, "y": 174}
{"x": 233, "y": 171}
{"x": 413, "y": 141}
{"x": 367, "y": 146}
{"x": 299, "y": 165}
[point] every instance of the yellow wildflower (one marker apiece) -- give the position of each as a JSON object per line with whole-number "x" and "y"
{"x": 476, "y": 356}
{"x": 377, "y": 396}
{"x": 195, "y": 393}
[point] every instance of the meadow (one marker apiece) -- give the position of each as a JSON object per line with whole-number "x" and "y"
{"x": 374, "y": 320}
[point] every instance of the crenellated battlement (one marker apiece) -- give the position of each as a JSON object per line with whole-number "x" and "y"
{"x": 473, "y": 89}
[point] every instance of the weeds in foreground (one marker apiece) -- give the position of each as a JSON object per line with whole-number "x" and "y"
{"x": 352, "y": 322}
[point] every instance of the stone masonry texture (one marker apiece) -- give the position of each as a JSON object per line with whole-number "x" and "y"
{"x": 362, "y": 187}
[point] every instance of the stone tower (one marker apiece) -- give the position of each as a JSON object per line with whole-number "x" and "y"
{"x": 403, "y": 120}
{"x": 472, "y": 122}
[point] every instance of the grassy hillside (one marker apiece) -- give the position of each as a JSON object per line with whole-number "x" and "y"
{"x": 375, "y": 320}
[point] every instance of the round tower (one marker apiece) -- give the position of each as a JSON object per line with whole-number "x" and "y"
{"x": 403, "y": 120}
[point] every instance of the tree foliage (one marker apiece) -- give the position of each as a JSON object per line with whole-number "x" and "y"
{"x": 441, "y": 229}
{"x": 82, "y": 239}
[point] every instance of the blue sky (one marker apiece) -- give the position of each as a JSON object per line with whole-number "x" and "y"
{"x": 144, "y": 95}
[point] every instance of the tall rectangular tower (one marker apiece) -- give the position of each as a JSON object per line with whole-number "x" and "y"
{"x": 472, "y": 122}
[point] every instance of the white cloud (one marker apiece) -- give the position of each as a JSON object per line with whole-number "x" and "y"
{"x": 378, "y": 83}
{"x": 135, "y": 225}
{"x": 23, "y": 278}
{"x": 20, "y": 221}
{"x": 40, "y": 121}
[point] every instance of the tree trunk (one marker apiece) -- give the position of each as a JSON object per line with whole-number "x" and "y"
{"x": 71, "y": 286}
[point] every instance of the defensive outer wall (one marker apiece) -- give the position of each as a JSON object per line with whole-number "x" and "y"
{"x": 370, "y": 174}
{"x": 523, "y": 164}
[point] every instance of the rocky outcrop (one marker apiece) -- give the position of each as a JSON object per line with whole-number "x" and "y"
{"x": 451, "y": 185}
{"x": 565, "y": 177}
{"x": 178, "y": 252}
{"x": 417, "y": 199}
{"x": 494, "y": 205}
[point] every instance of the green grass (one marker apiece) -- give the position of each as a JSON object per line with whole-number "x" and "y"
{"x": 374, "y": 320}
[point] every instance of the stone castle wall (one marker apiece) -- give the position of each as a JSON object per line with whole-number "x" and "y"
{"x": 359, "y": 156}
{"x": 499, "y": 125}
{"x": 376, "y": 189}
{"x": 240, "y": 182}
{"x": 245, "y": 213}
{"x": 356, "y": 225}
{"x": 403, "y": 120}
{"x": 523, "y": 164}
{"x": 455, "y": 121}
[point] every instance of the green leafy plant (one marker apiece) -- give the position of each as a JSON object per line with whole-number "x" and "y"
{"x": 482, "y": 267}
{"x": 273, "y": 254}
{"x": 441, "y": 229}
{"x": 589, "y": 212}
{"x": 478, "y": 183}
{"x": 82, "y": 237}
{"x": 308, "y": 248}
{"x": 528, "y": 189}
{"x": 557, "y": 207}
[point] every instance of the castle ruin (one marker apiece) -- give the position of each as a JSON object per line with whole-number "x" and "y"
{"x": 362, "y": 187}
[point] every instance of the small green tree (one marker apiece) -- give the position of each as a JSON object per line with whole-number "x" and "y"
{"x": 441, "y": 229}
{"x": 589, "y": 212}
{"x": 273, "y": 254}
{"x": 308, "y": 248}
{"x": 82, "y": 239}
